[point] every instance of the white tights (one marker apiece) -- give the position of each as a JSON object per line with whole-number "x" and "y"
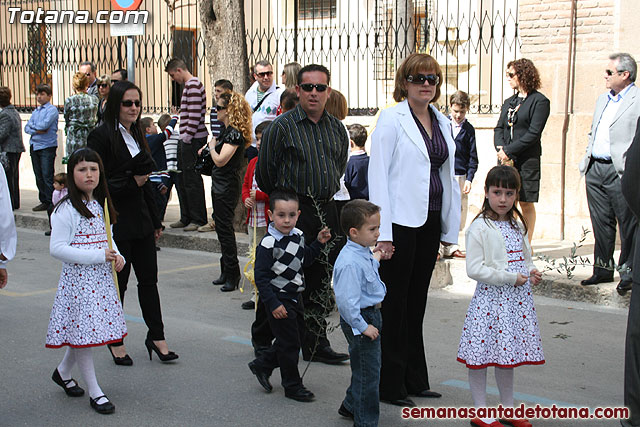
{"x": 84, "y": 359}
{"x": 478, "y": 386}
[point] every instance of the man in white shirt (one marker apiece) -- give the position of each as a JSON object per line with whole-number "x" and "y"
{"x": 263, "y": 96}
{"x": 612, "y": 130}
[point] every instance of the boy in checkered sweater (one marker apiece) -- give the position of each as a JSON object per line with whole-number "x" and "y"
{"x": 278, "y": 273}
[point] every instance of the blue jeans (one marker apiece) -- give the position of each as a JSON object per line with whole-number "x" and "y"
{"x": 42, "y": 162}
{"x": 362, "y": 398}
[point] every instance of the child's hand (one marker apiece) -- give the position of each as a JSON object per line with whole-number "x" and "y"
{"x": 521, "y": 280}
{"x": 371, "y": 332}
{"x": 173, "y": 110}
{"x": 110, "y": 255}
{"x": 384, "y": 250}
{"x": 119, "y": 263}
{"x": 467, "y": 187}
{"x": 280, "y": 312}
{"x": 141, "y": 179}
{"x": 252, "y": 194}
{"x": 535, "y": 276}
{"x": 324, "y": 235}
{"x": 248, "y": 203}
{"x": 163, "y": 189}
{"x": 377, "y": 255}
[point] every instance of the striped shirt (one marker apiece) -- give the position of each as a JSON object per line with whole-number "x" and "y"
{"x": 171, "y": 150}
{"x": 306, "y": 157}
{"x": 216, "y": 125}
{"x": 193, "y": 109}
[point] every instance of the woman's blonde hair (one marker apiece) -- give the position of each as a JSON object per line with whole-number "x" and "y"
{"x": 337, "y": 105}
{"x": 239, "y": 113}
{"x": 80, "y": 82}
{"x": 103, "y": 79}
{"x": 290, "y": 71}
{"x": 413, "y": 64}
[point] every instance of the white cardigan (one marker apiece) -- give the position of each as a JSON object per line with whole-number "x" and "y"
{"x": 400, "y": 172}
{"x": 64, "y": 222}
{"x": 487, "y": 254}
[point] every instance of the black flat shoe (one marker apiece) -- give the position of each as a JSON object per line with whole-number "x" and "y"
{"x": 344, "y": 411}
{"x": 301, "y": 395}
{"x": 163, "y": 357}
{"x": 624, "y": 286}
{"x": 326, "y": 355}
{"x": 400, "y": 402}
{"x": 103, "y": 408}
{"x": 595, "y": 279}
{"x": 74, "y": 391}
{"x": 248, "y": 305}
{"x": 426, "y": 393}
{"x": 261, "y": 375}
{"x": 121, "y": 361}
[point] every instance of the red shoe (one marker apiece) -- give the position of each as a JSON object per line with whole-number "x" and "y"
{"x": 458, "y": 254}
{"x": 517, "y": 423}
{"x": 479, "y": 423}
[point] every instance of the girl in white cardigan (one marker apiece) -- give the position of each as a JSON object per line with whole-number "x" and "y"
{"x": 501, "y": 327}
{"x": 86, "y": 311}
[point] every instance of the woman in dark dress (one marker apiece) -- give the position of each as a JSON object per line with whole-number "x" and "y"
{"x": 128, "y": 163}
{"x": 517, "y": 135}
{"x": 227, "y": 152}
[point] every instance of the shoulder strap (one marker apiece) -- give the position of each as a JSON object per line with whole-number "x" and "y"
{"x": 261, "y": 101}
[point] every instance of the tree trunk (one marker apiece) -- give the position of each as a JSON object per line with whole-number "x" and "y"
{"x": 225, "y": 41}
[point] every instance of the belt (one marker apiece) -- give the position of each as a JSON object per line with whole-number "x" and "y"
{"x": 377, "y": 306}
{"x": 605, "y": 161}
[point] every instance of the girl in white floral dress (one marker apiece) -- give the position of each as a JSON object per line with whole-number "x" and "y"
{"x": 86, "y": 311}
{"x": 501, "y": 326}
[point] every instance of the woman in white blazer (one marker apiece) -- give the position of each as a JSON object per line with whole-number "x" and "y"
{"x": 411, "y": 177}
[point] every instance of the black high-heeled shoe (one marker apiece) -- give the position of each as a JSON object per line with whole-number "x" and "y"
{"x": 122, "y": 361}
{"x": 163, "y": 357}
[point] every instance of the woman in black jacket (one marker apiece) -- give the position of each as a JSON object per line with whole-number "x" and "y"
{"x": 128, "y": 163}
{"x": 517, "y": 135}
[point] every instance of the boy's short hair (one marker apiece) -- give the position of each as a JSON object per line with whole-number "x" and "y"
{"x": 289, "y": 99}
{"x": 224, "y": 84}
{"x": 355, "y": 213}
{"x": 163, "y": 121}
{"x": 44, "y": 88}
{"x": 146, "y": 122}
{"x": 460, "y": 98}
{"x": 358, "y": 134}
{"x": 60, "y": 178}
{"x": 174, "y": 64}
{"x": 283, "y": 195}
{"x": 262, "y": 126}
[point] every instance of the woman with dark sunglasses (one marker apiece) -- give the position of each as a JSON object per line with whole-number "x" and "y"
{"x": 411, "y": 178}
{"x": 128, "y": 163}
{"x": 227, "y": 152}
{"x": 518, "y": 132}
{"x": 104, "y": 85}
{"x": 80, "y": 112}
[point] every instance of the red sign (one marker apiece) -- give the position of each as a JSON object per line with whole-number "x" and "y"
{"x": 125, "y": 4}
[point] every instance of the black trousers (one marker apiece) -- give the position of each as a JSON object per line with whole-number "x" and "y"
{"x": 632, "y": 360}
{"x": 190, "y": 186}
{"x": 407, "y": 275}
{"x": 316, "y": 277}
{"x": 13, "y": 179}
{"x": 141, "y": 254}
{"x": 261, "y": 335}
{"x": 284, "y": 351}
{"x": 224, "y": 205}
{"x": 606, "y": 208}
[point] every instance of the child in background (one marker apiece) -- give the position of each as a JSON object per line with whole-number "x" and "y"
{"x": 355, "y": 177}
{"x": 59, "y": 187}
{"x": 359, "y": 292}
{"x": 501, "y": 326}
{"x": 86, "y": 311}
{"x": 278, "y": 271}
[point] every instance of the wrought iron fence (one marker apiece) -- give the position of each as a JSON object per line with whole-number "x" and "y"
{"x": 361, "y": 41}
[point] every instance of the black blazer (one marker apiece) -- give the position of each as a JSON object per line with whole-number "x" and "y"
{"x": 631, "y": 193}
{"x": 528, "y": 125}
{"x": 137, "y": 214}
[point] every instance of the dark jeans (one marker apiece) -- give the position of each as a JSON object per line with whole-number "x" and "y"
{"x": 141, "y": 254}
{"x": 407, "y": 275}
{"x": 42, "y": 162}
{"x": 190, "y": 186}
{"x": 286, "y": 348}
{"x": 362, "y": 398}
{"x": 13, "y": 179}
{"x": 224, "y": 207}
{"x": 316, "y": 276}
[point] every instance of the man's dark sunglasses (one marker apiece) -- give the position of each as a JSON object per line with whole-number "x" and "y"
{"x": 308, "y": 87}
{"x": 264, "y": 74}
{"x": 129, "y": 103}
{"x": 419, "y": 79}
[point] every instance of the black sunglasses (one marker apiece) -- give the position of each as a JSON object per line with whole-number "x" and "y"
{"x": 510, "y": 74}
{"x": 129, "y": 103}
{"x": 101, "y": 85}
{"x": 419, "y": 79}
{"x": 611, "y": 72}
{"x": 220, "y": 107}
{"x": 308, "y": 87}
{"x": 264, "y": 74}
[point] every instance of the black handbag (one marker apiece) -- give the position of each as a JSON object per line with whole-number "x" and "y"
{"x": 204, "y": 162}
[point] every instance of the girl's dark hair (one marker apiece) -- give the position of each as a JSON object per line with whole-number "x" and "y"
{"x": 60, "y": 178}
{"x": 100, "y": 193}
{"x": 112, "y": 115}
{"x": 505, "y": 177}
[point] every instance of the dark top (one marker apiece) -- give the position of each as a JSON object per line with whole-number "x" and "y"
{"x": 438, "y": 154}
{"x": 631, "y": 193}
{"x": 102, "y": 105}
{"x": 156, "y": 145}
{"x": 528, "y": 123}
{"x": 228, "y": 176}
{"x": 355, "y": 177}
{"x": 466, "y": 151}
{"x": 137, "y": 215}
{"x": 306, "y": 157}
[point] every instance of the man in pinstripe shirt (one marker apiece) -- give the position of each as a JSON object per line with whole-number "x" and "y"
{"x": 306, "y": 150}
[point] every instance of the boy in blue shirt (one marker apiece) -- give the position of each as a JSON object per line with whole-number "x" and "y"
{"x": 278, "y": 274}
{"x": 359, "y": 293}
{"x": 355, "y": 176}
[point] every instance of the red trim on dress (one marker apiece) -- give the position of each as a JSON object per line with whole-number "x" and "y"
{"x": 87, "y": 345}
{"x": 486, "y": 365}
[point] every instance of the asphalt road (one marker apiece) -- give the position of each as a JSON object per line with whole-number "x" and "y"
{"x": 211, "y": 385}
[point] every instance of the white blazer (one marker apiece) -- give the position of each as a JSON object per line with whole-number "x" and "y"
{"x": 400, "y": 172}
{"x": 8, "y": 234}
{"x": 487, "y": 255}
